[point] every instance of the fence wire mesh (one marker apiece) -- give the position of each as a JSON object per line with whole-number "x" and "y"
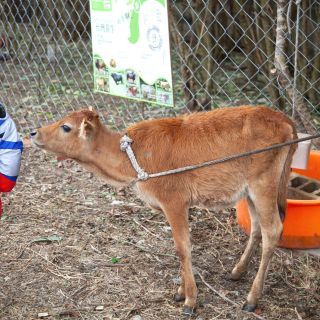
{"x": 223, "y": 53}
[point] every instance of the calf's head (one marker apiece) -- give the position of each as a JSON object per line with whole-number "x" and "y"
{"x": 71, "y": 137}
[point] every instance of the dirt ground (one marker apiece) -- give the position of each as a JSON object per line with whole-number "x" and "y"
{"x": 71, "y": 246}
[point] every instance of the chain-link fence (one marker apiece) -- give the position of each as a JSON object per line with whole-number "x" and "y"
{"x": 223, "y": 53}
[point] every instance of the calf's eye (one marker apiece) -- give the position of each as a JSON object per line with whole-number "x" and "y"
{"x": 66, "y": 128}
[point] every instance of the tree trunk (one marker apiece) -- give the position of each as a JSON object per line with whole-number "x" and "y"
{"x": 285, "y": 77}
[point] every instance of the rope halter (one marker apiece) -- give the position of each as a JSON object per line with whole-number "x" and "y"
{"x": 125, "y": 146}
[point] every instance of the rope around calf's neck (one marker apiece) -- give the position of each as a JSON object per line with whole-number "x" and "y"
{"x": 142, "y": 175}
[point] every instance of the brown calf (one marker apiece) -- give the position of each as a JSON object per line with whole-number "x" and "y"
{"x": 176, "y": 142}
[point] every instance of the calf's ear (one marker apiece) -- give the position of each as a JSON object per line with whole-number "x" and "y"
{"x": 89, "y": 114}
{"x": 82, "y": 129}
{"x": 92, "y": 114}
{"x": 85, "y": 128}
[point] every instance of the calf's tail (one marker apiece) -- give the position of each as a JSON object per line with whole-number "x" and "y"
{"x": 283, "y": 186}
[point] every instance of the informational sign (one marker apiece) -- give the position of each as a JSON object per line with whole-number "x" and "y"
{"x": 131, "y": 52}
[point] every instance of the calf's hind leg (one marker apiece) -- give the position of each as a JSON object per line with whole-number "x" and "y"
{"x": 271, "y": 229}
{"x": 177, "y": 216}
{"x": 254, "y": 240}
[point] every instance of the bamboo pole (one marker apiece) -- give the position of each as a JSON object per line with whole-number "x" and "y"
{"x": 312, "y": 73}
{"x": 181, "y": 43}
{"x": 34, "y": 22}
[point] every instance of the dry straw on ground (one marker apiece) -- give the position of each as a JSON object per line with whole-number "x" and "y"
{"x": 74, "y": 248}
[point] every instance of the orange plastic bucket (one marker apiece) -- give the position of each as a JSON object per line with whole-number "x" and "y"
{"x": 301, "y": 228}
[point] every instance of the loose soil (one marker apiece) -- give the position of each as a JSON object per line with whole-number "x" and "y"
{"x": 69, "y": 244}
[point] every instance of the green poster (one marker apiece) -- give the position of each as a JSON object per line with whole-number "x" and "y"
{"x": 131, "y": 52}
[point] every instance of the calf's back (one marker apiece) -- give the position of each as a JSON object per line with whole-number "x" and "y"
{"x": 176, "y": 142}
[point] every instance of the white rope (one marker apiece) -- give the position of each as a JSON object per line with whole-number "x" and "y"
{"x": 125, "y": 145}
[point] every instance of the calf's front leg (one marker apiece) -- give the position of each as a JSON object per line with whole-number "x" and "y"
{"x": 177, "y": 216}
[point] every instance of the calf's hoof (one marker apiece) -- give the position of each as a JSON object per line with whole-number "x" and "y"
{"x": 249, "y": 307}
{"x": 188, "y": 311}
{"x": 179, "y": 297}
{"x": 232, "y": 277}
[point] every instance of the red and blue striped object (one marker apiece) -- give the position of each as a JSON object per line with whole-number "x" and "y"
{"x": 11, "y": 148}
